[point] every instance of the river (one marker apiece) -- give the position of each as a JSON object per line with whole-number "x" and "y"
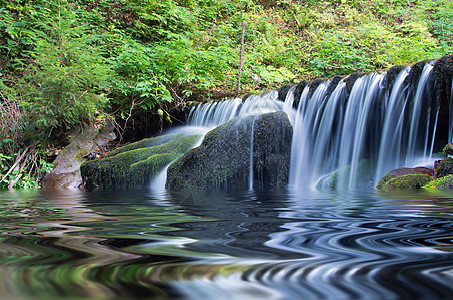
{"x": 219, "y": 245}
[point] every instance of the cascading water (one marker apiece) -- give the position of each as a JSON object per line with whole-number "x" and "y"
{"x": 213, "y": 114}
{"x": 348, "y": 132}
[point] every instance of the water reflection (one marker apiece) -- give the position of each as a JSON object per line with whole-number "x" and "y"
{"x": 204, "y": 245}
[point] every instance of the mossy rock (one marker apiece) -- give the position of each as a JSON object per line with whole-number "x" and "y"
{"x": 448, "y": 149}
{"x": 382, "y": 182}
{"x": 443, "y": 167}
{"x": 136, "y": 167}
{"x": 407, "y": 182}
{"x": 443, "y": 183}
{"x": 145, "y": 143}
{"x": 401, "y": 172}
{"x": 222, "y": 161}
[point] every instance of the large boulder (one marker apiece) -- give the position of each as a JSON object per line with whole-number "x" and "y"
{"x": 135, "y": 165}
{"x": 407, "y": 182}
{"x": 382, "y": 183}
{"x": 223, "y": 159}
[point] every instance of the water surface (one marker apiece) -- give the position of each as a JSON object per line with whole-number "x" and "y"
{"x": 247, "y": 245}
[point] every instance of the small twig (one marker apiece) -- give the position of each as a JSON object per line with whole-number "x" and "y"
{"x": 19, "y": 175}
{"x": 19, "y": 158}
{"x": 240, "y": 59}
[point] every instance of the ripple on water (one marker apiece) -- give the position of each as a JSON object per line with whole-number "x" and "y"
{"x": 206, "y": 246}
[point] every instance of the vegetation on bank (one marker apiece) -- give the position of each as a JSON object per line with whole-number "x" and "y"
{"x": 65, "y": 63}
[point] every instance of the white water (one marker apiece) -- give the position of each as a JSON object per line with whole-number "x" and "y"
{"x": 251, "y": 157}
{"x": 370, "y": 125}
{"x": 213, "y": 114}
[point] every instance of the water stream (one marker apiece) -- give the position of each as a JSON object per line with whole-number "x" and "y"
{"x": 220, "y": 245}
{"x": 351, "y": 242}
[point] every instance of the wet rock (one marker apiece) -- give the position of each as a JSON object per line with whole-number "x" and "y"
{"x": 223, "y": 159}
{"x": 416, "y": 170}
{"x": 66, "y": 173}
{"x": 443, "y": 167}
{"x": 448, "y": 149}
{"x": 444, "y": 183}
{"x": 363, "y": 180}
{"x": 136, "y": 165}
{"x": 401, "y": 172}
{"x": 283, "y": 91}
{"x": 407, "y": 182}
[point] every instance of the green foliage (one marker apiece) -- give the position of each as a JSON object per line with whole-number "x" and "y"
{"x": 27, "y": 173}
{"x": 62, "y": 87}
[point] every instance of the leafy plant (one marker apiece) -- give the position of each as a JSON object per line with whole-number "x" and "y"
{"x": 63, "y": 86}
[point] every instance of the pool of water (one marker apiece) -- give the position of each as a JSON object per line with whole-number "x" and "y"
{"x": 214, "y": 245}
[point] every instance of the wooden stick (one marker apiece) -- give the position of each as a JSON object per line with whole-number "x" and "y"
{"x": 19, "y": 158}
{"x": 240, "y": 59}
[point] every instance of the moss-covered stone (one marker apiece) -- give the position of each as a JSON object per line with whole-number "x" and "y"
{"x": 403, "y": 171}
{"x": 223, "y": 159}
{"x": 135, "y": 168}
{"x": 145, "y": 143}
{"x": 407, "y": 182}
{"x": 443, "y": 167}
{"x": 381, "y": 183}
{"x": 448, "y": 149}
{"x": 444, "y": 183}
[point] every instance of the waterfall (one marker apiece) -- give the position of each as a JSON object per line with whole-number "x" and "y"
{"x": 213, "y": 114}
{"x": 251, "y": 157}
{"x": 349, "y": 131}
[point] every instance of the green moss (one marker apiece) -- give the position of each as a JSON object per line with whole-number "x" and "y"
{"x": 381, "y": 183}
{"x": 145, "y": 143}
{"x": 135, "y": 168}
{"x": 443, "y": 183}
{"x": 407, "y": 182}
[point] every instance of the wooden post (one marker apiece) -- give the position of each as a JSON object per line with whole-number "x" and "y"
{"x": 240, "y": 59}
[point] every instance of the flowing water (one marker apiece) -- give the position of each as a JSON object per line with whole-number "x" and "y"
{"x": 349, "y": 242}
{"x": 250, "y": 245}
{"x": 360, "y": 130}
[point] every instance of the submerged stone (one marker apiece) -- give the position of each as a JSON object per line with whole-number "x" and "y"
{"x": 135, "y": 167}
{"x": 223, "y": 159}
{"x": 363, "y": 179}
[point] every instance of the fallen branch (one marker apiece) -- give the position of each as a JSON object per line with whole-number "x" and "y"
{"x": 19, "y": 159}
